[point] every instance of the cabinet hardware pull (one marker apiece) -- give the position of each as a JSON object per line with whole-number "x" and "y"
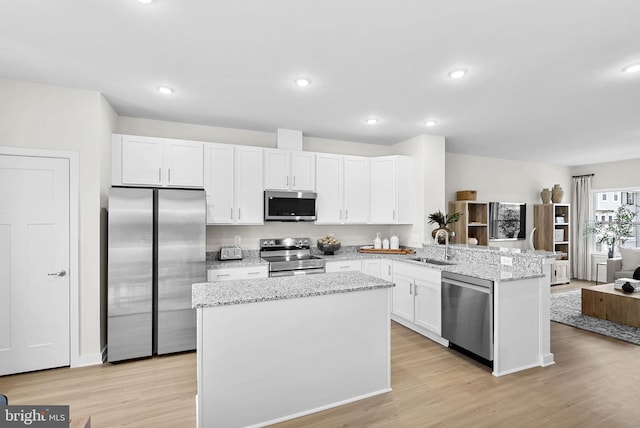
{"x": 394, "y": 214}
{"x": 239, "y": 214}
{"x": 346, "y": 214}
{"x": 169, "y": 176}
{"x": 59, "y": 273}
{"x": 253, "y": 273}
{"x": 340, "y": 214}
{"x": 159, "y": 175}
{"x": 287, "y": 181}
{"x": 410, "y": 289}
{"x": 224, "y": 274}
{"x": 389, "y": 268}
{"x": 231, "y": 213}
{"x": 294, "y": 181}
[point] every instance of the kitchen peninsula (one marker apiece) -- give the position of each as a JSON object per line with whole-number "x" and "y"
{"x": 278, "y": 348}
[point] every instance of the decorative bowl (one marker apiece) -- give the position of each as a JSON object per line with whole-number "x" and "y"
{"x": 329, "y": 249}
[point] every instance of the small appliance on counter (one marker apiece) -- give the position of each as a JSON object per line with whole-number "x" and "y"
{"x": 230, "y": 253}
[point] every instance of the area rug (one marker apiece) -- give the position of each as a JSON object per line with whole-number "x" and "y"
{"x": 566, "y": 309}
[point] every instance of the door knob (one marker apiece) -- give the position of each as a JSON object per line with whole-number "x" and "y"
{"x": 59, "y": 273}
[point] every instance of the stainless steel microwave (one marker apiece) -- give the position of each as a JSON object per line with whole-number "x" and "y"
{"x": 289, "y": 206}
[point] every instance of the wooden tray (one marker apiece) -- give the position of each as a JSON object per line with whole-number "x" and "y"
{"x": 387, "y": 251}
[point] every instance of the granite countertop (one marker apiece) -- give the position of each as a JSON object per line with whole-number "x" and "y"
{"x": 481, "y": 266}
{"x": 210, "y": 294}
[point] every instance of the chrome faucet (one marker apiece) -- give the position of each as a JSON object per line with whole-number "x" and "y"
{"x": 447, "y": 256}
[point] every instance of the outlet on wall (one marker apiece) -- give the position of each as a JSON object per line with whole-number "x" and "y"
{"x": 237, "y": 240}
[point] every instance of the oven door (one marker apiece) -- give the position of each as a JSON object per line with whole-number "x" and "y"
{"x": 289, "y": 206}
{"x": 308, "y": 271}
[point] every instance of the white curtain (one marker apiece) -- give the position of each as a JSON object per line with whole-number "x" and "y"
{"x": 581, "y": 209}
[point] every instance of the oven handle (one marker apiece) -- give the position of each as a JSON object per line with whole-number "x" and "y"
{"x": 486, "y": 290}
{"x": 275, "y": 274}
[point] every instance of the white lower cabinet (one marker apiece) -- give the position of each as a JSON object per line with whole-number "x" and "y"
{"x": 343, "y": 266}
{"x": 379, "y": 268}
{"x": 417, "y": 299}
{"x": 229, "y": 274}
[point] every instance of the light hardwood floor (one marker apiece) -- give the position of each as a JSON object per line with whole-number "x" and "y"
{"x": 594, "y": 383}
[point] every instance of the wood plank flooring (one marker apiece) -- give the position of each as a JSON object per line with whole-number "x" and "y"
{"x": 594, "y": 383}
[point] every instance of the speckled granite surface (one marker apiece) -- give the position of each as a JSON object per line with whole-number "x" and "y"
{"x": 479, "y": 262}
{"x": 222, "y": 293}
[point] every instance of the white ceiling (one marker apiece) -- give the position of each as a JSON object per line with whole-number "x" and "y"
{"x": 544, "y": 82}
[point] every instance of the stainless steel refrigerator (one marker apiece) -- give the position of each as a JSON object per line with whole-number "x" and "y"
{"x": 156, "y": 251}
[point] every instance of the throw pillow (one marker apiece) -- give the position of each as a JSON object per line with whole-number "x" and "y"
{"x": 630, "y": 258}
{"x": 636, "y": 273}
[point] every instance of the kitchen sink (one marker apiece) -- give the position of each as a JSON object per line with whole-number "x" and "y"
{"x": 433, "y": 261}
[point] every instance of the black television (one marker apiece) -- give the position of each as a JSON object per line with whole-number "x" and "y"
{"x": 507, "y": 220}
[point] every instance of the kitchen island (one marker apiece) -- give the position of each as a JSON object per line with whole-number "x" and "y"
{"x": 274, "y": 349}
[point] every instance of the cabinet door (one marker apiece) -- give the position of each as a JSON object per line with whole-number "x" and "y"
{"x": 184, "y": 163}
{"x": 329, "y": 179}
{"x": 249, "y": 201}
{"x": 428, "y": 307}
{"x": 356, "y": 189}
{"x": 560, "y": 272}
{"x": 220, "y": 183}
{"x": 403, "y": 296}
{"x": 276, "y": 169}
{"x": 404, "y": 188}
{"x": 383, "y": 190}
{"x": 303, "y": 171}
{"x": 142, "y": 160}
{"x": 372, "y": 267}
{"x": 344, "y": 266}
{"x": 386, "y": 270}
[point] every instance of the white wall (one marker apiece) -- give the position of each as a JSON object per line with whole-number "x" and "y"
{"x": 57, "y": 118}
{"x": 612, "y": 175}
{"x": 500, "y": 180}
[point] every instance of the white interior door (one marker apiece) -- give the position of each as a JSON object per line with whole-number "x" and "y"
{"x": 34, "y": 263}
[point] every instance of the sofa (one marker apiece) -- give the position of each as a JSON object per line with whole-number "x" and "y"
{"x": 623, "y": 266}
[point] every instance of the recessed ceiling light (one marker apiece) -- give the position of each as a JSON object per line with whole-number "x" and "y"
{"x": 302, "y": 81}
{"x": 430, "y": 123}
{"x": 165, "y": 90}
{"x": 632, "y": 68}
{"x": 145, "y": 1}
{"x": 456, "y": 74}
{"x": 371, "y": 121}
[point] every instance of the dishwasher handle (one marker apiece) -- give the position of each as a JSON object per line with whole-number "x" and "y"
{"x": 486, "y": 290}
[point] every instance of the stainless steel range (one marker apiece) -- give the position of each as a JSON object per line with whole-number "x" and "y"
{"x": 290, "y": 256}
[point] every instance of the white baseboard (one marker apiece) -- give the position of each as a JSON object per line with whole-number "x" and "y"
{"x": 90, "y": 359}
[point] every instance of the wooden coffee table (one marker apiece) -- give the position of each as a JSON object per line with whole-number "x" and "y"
{"x": 607, "y": 303}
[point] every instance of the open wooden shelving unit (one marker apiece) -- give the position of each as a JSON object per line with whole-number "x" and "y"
{"x": 473, "y": 223}
{"x": 552, "y": 223}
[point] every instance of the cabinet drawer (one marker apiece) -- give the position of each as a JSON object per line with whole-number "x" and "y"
{"x": 229, "y": 274}
{"x": 344, "y": 266}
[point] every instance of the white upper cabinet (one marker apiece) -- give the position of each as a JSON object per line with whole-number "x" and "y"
{"x": 289, "y": 170}
{"x": 234, "y": 184}
{"x": 157, "y": 162}
{"x": 391, "y": 190}
{"x": 356, "y": 189}
{"x": 342, "y": 184}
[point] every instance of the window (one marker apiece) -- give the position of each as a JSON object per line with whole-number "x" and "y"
{"x": 605, "y": 206}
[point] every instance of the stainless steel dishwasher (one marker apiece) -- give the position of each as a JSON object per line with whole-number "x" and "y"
{"x": 467, "y": 313}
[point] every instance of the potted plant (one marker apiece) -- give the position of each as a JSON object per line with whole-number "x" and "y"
{"x": 442, "y": 220}
{"x": 615, "y": 232}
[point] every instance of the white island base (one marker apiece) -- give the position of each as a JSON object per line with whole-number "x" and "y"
{"x": 266, "y": 362}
